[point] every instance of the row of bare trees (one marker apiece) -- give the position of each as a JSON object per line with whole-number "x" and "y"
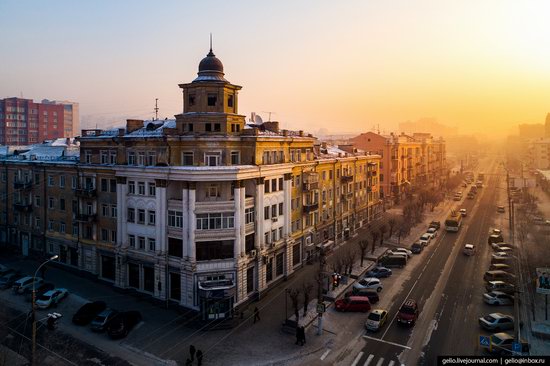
{"x": 294, "y": 293}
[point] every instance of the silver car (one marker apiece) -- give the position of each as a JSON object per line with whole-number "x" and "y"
{"x": 497, "y": 322}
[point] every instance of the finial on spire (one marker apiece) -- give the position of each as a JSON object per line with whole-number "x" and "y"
{"x": 210, "y": 42}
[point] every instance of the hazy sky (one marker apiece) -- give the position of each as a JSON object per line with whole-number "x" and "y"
{"x": 344, "y": 66}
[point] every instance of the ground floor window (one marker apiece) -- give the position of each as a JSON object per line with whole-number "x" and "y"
{"x": 149, "y": 279}
{"x": 279, "y": 264}
{"x": 133, "y": 275}
{"x": 249, "y": 280}
{"x": 108, "y": 267}
{"x": 175, "y": 286}
{"x": 269, "y": 270}
{"x": 296, "y": 254}
{"x": 73, "y": 253}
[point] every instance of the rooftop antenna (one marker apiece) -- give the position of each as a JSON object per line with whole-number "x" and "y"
{"x": 156, "y": 109}
{"x": 269, "y": 113}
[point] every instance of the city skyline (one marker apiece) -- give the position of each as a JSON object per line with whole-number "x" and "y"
{"x": 472, "y": 66}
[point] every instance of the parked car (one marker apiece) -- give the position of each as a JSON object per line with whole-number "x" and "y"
{"x": 416, "y": 248}
{"x": 45, "y": 287}
{"x": 498, "y": 276}
{"x": 497, "y": 246}
{"x": 425, "y": 239}
{"x": 498, "y": 298}
{"x": 497, "y": 322}
{"x": 495, "y": 260}
{"x": 462, "y": 212}
{"x": 24, "y": 283}
{"x": 502, "y": 248}
{"x": 393, "y": 261}
{"x": 408, "y": 313}
{"x": 100, "y": 322}
{"x": 122, "y": 323}
{"x": 5, "y": 270}
{"x": 379, "y": 272}
{"x": 501, "y": 286}
{"x": 500, "y": 267}
{"x": 7, "y": 280}
{"x": 369, "y": 283}
{"x": 470, "y": 195}
{"x": 88, "y": 312}
{"x": 372, "y": 295}
{"x": 376, "y": 320}
{"x": 432, "y": 231}
{"x": 405, "y": 251}
{"x": 501, "y": 255}
{"x": 353, "y": 303}
{"x": 395, "y": 253}
{"x": 500, "y": 209}
{"x": 52, "y": 297}
{"x": 495, "y": 238}
{"x": 469, "y": 249}
{"x": 435, "y": 224}
{"x": 501, "y": 344}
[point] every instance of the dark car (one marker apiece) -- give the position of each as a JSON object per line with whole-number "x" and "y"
{"x": 7, "y": 280}
{"x": 416, "y": 248}
{"x": 393, "y": 261}
{"x": 435, "y": 224}
{"x": 122, "y": 323}
{"x": 379, "y": 272}
{"x": 102, "y": 320}
{"x": 41, "y": 290}
{"x": 495, "y": 238}
{"x": 372, "y": 295}
{"x": 88, "y": 312}
{"x": 408, "y": 313}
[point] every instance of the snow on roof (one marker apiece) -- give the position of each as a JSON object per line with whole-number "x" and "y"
{"x": 44, "y": 153}
{"x": 153, "y": 128}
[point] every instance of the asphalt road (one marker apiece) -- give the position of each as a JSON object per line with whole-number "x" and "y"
{"x": 448, "y": 289}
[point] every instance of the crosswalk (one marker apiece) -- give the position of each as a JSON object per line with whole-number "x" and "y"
{"x": 371, "y": 360}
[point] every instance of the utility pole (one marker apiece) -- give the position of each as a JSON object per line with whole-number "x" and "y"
{"x": 156, "y": 109}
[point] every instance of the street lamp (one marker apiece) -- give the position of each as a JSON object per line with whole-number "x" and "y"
{"x": 33, "y": 306}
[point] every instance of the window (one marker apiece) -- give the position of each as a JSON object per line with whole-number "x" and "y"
{"x": 212, "y": 99}
{"x": 131, "y": 158}
{"x": 266, "y": 238}
{"x": 235, "y": 158}
{"x": 113, "y": 211}
{"x": 213, "y": 221}
{"x": 132, "y": 241}
{"x": 266, "y": 186}
{"x": 103, "y": 185}
{"x": 141, "y": 242}
{"x": 51, "y": 203}
{"x": 131, "y": 187}
{"x": 104, "y": 235}
{"x": 62, "y": 181}
{"x": 280, "y": 184}
{"x": 151, "y": 158}
{"x": 62, "y": 204}
{"x": 37, "y": 222}
{"x": 230, "y": 101}
{"x": 281, "y": 232}
{"x": 37, "y": 201}
{"x": 112, "y": 184}
{"x": 104, "y": 157}
{"x": 105, "y": 210}
{"x": 213, "y": 191}
{"x": 175, "y": 218}
{"x": 190, "y": 127}
{"x": 217, "y": 127}
{"x": 249, "y": 215}
{"x": 141, "y": 158}
{"x": 73, "y": 182}
{"x": 273, "y": 236}
{"x": 62, "y": 227}
{"x": 266, "y": 212}
{"x": 112, "y": 157}
{"x": 88, "y": 157}
{"x": 75, "y": 229}
{"x": 131, "y": 214}
{"x": 212, "y": 159}
{"x": 152, "y": 189}
{"x": 50, "y": 225}
{"x": 151, "y": 217}
{"x": 175, "y": 247}
{"x": 274, "y": 185}
{"x": 152, "y": 244}
{"x": 280, "y": 208}
{"x": 191, "y": 100}
{"x": 51, "y": 180}
{"x": 141, "y": 216}
{"x": 187, "y": 158}
{"x": 113, "y": 236}
{"x": 141, "y": 188}
{"x": 208, "y": 127}
{"x": 274, "y": 211}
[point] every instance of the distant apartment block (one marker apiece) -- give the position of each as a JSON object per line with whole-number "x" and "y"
{"x": 24, "y": 122}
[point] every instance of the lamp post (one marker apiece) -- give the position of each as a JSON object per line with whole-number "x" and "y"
{"x": 33, "y": 306}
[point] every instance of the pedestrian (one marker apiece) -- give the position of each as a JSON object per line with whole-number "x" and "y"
{"x": 303, "y": 334}
{"x": 199, "y": 357}
{"x": 192, "y": 352}
{"x": 256, "y": 314}
{"x": 188, "y": 362}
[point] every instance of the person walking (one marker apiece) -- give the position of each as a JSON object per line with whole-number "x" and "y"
{"x": 192, "y": 352}
{"x": 256, "y": 314}
{"x": 199, "y": 357}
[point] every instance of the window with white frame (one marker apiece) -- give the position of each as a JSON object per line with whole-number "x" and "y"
{"x": 113, "y": 211}
{"x": 88, "y": 157}
{"x": 62, "y": 181}
{"x": 151, "y": 158}
{"x": 213, "y": 191}
{"x": 104, "y": 156}
{"x": 249, "y": 215}
{"x": 132, "y": 241}
{"x": 141, "y": 188}
{"x": 212, "y": 159}
{"x": 141, "y": 158}
{"x": 112, "y": 157}
{"x": 131, "y": 158}
{"x": 151, "y": 217}
{"x": 175, "y": 218}
{"x": 235, "y": 157}
{"x": 141, "y": 216}
{"x": 131, "y": 187}
{"x": 131, "y": 214}
{"x": 152, "y": 189}
{"x": 152, "y": 244}
{"x": 214, "y": 221}
{"x": 141, "y": 242}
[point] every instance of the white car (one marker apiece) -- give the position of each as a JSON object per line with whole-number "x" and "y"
{"x": 425, "y": 239}
{"x": 433, "y": 232}
{"x": 501, "y": 255}
{"x": 402, "y": 251}
{"x": 52, "y": 297}
{"x": 396, "y": 252}
{"x": 369, "y": 283}
{"x": 463, "y": 212}
{"x": 376, "y": 319}
{"x": 498, "y": 298}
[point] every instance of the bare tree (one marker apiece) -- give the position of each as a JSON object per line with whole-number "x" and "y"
{"x": 374, "y": 235}
{"x": 392, "y": 221}
{"x": 363, "y": 245}
{"x": 294, "y": 295}
{"x": 382, "y": 229}
{"x": 307, "y": 287}
{"x": 350, "y": 257}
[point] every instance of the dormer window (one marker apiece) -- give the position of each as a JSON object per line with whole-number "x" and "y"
{"x": 212, "y": 99}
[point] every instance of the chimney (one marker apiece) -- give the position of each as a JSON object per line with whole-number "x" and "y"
{"x": 301, "y": 133}
{"x": 133, "y": 124}
{"x": 272, "y": 126}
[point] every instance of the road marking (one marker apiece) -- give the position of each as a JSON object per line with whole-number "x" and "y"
{"x": 357, "y": 359}
{"x": 325, "y": 354}
{"x": 387, "y": 342}
{"x": 380, "y": 361}
{"x": 391, "y": 363}
{"x": 369, "y": 359}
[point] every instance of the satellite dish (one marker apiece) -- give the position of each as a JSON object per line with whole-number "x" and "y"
{"x": 258, "y": 120}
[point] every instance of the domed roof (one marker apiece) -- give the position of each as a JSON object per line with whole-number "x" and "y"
{"x": 210, "y": 69}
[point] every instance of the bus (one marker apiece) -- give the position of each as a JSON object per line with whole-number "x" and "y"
{"x": 454, "y": 221}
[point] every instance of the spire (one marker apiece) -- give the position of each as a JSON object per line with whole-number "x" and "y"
{"x": 211, "y": 53}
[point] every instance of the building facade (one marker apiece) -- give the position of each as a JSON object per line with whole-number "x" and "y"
{"x": 204, "y": 210}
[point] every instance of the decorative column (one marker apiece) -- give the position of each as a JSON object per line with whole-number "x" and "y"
{"x": 161, "y": 268}
{"x": 122, "y": 234}
{"x": 239, "y": 197}
{"x": 191, "y": 223}
{"x": 259, "y": 214}
{"x": 185, "y": 228}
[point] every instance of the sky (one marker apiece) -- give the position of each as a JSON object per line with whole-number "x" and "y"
{"x": 480, "y": 65}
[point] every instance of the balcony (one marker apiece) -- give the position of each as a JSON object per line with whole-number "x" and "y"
{"x": 310, "y": 207}
{"x": 347, "y": 196}
{"x": 22, "y": 184}
{"x": 347, "y": 178}
{"x": 311, "y": 186}
{"x": 23, "y": 206}
{"x": 86, "y": 192}
{"x": 86, "y": 217}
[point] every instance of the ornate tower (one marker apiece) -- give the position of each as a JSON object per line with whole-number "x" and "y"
{"x": 210, "y": 103}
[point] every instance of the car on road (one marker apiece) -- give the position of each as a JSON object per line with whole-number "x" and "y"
{"x": 405, "y": 251}
{"x": 52, "y": 297}
{"x": 372, "y": 295}
{"x": 500, "y": 267}
{"x": 457, "y": 197}
{"x": 497, "y": 322}
{"x": 100, "y": 322}
{"x": 88, "y": 312}
{"x": 376, "y": 320}
{"x": 462, "y": 212}
{"x": 408, "y": 313}
{"x": 7, "y": 280}
{"x": 24, "y": 283}
{"x": 469, "y": 249}
{"x": 369, "y": 283}
{"x": 425, "y": 239}
{"x": 495, "y": 238}
{"x": 502, "y": 248}
{"x": 500, "y": 209}
{"x": 471, "y": 196}
{"x": 353, "y": 303}
{"x": 122, "y": 323}
{"x": 497, "y": 246}
{"x": 416, "y": 248}
{"x": 505, "y": 260}
{"x": 432, "y": 232}
{"x": 435, "y": 224}
{"x": 498, "y": 298}
{"x": 45, "y": 287}
{"x": 379, "y": 272}
{"x": 500, "y": 286}
{"x": 479, "y": 184}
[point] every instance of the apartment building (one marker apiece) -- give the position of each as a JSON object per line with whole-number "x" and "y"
{"x": 204, "y": 210}
{"x": 405, "y": 161}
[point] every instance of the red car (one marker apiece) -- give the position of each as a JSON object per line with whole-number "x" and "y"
{"x": 353, "y": 303}
{"x": 408, "y": 313}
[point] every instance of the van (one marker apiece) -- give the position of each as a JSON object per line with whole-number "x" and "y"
{"x": 498, "y": 276}
{"x": 393, "y": 261}
{"x": 26, "y": 283}
{"x": 353, "y": 303}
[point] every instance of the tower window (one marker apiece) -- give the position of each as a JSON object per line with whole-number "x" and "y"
{"x": 230, "y": 101}
{"x": 217, "y": 127}
{"x": 212, "y": 99}
{"x": 208, "y": 127}
{"x": 191, "y": 100}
